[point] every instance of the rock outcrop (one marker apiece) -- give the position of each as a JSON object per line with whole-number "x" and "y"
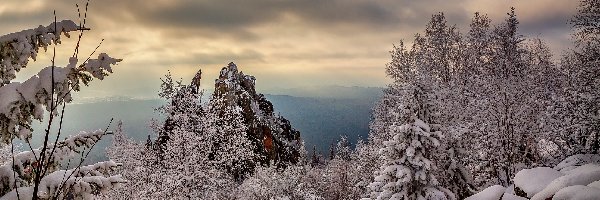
{"x": 272, "y": 135}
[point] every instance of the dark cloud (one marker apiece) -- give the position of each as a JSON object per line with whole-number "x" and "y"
{"x": 12, "y": 21}
{"x": 235, "y": 18}
{"x": 332, "y": 12}
{"x": 284, "y": 36}
{"x": 222, "y": 58}
{"x": 224, "y": 14}
{"x": 547, "y": 23}
{"x": 202, "y": 58}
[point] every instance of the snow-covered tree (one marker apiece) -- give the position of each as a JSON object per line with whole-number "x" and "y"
{"x": 492, "y": 86}
{"x": 340, "y": 173}
{"x": 453, "y": 167}
{"x": 508, "y": 106}
{"x": 273, "y": 183}
{"x": 134, "y": 159}
{"x": 36, "y": 174}
{"x": 407, "y": 170}
{"x": 231, "y": 148}
{"x": 200, "y": 151}
{"x": 577, "y": 110}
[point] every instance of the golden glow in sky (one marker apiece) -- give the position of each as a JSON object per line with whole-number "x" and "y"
{"x": 283, "y": 43}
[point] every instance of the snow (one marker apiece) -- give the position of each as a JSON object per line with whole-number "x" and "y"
{"x": 595, "y": 184}
{"x": 25, "y": 193}
{"x": 22, "y": 101}
{"x": 508, "y": 196}
{"x": 578, "y": 192}
{"x": 434, "y": 194}
{"x": 8, "y": 96}
{"x": 532, "y": 181}
{"x": 18, "y": 47}
{"x": 579, "y": 176}
{"x": 575, "y": 161}
{"x": 64, "y": 149}
{"x": 97, "y": 66}
{"x": 63, "y": 26}
{"x": 84, "y": 182}
{"x": 422, "y": 125}
{"x": 490, "y": 193}
{"x": 510, "y": 189}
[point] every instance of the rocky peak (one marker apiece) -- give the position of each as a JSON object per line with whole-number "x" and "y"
{"x": 272, "y": 135}
{"x": 230, "y": 79}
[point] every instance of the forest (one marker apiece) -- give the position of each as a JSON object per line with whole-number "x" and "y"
{"x": 484, "y": 113}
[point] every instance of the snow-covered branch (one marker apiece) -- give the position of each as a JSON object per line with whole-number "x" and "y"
{"x": 25, "y": 162}
{"x": 17, "y": 48}
{"x": 20, "y": 103}
{"x": 79, "y": 183}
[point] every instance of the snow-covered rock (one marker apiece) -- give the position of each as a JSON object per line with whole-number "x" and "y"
{"x": 582, "y": 175}
{"x": 273, "y": 135}
{"x": 491, "y": 193}
{"x": 575, "y": 161}
{"x": 508, "y": 196}
{"x": 575, "y": 178}
{"x": 532, "y": 181}
{"x": 578, "y": 192}
{"x": 595, "y": 184}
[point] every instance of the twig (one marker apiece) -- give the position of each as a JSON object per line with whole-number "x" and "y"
{"x": 62, "y": 115}
{"x": 64, "y": 175}
{"x": 30, "y": 148}
{"x": 83, "y": 158}
{"x": 93, "y": 52}
{"x": 81, "y": 25}
{"x": 12, "y": 152}
{"x": 41, "y": 164}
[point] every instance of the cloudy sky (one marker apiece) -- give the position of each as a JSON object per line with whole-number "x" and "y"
{"x": 284, "y": 43}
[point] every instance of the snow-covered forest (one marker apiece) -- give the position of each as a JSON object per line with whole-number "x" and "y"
{"x": 483, "y": 113}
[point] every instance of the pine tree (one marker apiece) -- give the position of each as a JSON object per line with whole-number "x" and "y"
{"x": 407, "y": 170}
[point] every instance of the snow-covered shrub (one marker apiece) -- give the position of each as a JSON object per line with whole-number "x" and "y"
{"x": 272, "y": 183}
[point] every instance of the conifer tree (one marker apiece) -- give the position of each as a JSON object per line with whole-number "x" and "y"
{"x": 407, "y": 170}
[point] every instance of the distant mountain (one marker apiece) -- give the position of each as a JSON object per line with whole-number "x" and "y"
{"x": 331, "y": 92}
{"x": 323, "y": 114}
{"x": 323, "y": 120}
{"x": 320, "y": 119}
{"x": 95, "y": 114}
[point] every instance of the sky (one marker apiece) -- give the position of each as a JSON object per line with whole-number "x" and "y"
{"x": 283, "y": 43}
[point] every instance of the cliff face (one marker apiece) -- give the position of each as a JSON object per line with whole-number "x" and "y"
{"x": 272, "y": 135}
